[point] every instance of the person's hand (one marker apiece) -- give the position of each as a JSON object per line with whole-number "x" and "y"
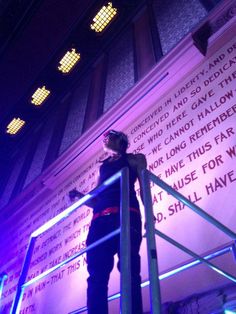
{"x": 154, "y": 219}
{"x": 75, "y": 195}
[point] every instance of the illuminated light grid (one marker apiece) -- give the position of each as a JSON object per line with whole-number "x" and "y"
{"x": 69, "y": 61}
{"x": 15, "y": 126}
{"x": 39, "y": 96}
{"x": 103, "y": 18}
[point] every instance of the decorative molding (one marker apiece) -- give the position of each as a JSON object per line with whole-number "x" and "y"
{"x": 227, "y": 14}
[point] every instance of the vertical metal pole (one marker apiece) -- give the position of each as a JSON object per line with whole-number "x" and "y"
{"x": 192, "y": 206}
{"x": 125, "y": 264}
{"x": 233, "y": 248}
{"x": 24, "y": 272}
{"x": 155, "y": 293}
{"x": 3, "y": 277}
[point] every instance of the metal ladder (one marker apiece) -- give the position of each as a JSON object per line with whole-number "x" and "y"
{"x": 154, "y": 280}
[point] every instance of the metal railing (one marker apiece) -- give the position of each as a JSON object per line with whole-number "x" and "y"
{"x": 147, "y": 177}
{"x": 3, "y": 277}
{"x": 154, "y": 278}
{"x": 125, "y": 278}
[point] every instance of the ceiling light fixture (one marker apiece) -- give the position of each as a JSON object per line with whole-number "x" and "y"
{"x": 69, "y": 60}
{"x": 103, "y": 18}
{"x": 40, "y": 96}
{"x": 15, "y": 126}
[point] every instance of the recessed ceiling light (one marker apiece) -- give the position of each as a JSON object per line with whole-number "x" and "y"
{"x": 69, "y": 60}
{"x": 15, "y": 125}
{"x": 40, "y": 96}
{"x": 103, "y": 18}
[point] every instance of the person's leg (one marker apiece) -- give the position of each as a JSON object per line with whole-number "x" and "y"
{"x": 137, "y": 306}
{"x": 136, "y": 238}
{"x": 99, "y": 263}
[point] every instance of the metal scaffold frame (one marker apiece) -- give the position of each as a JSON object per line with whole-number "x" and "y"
{"x": 154, "y": 277}
{"x": 147, "y": 178}
{"x": 125, "y": 280}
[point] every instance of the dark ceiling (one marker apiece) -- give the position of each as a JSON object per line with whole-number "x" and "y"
{"x": 34, "y": 36}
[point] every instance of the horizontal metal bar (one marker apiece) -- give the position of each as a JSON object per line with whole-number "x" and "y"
{"x": 198, "y": 257}
{"x": 21, "y": 283}
{"x": 167, "y": 274}
{"x": 3, "y": 277}
{"x": 50, "y": 223}
{"x": 76, "y": 205}
{"x": 195, "y": 263}
{"x": 52, "y": 269}
{"x": 194, "y": 207}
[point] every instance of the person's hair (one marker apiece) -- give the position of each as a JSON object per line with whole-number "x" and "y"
{"x": 123, "y": 138}
{"x": 124, "y": 141}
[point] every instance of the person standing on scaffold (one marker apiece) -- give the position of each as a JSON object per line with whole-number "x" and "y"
{"x": 106, "y": 218}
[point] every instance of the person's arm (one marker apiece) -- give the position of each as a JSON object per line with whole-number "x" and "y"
{"x": 141, "y": 164}
{"x": 76, "y": 195}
